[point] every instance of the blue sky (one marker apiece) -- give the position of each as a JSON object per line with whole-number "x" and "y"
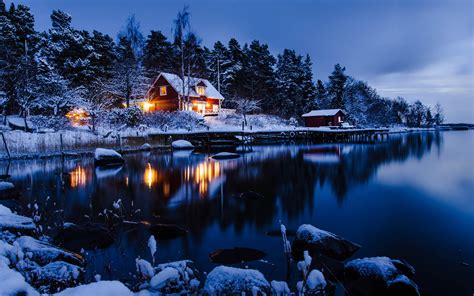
{"x": 415, "y": 49}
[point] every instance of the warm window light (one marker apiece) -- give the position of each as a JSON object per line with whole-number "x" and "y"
{"x": 200, "y": 90}
{"x": 147, "y": 106}
{"x": 78, "y": 117}
{"x": 162, "y": 90}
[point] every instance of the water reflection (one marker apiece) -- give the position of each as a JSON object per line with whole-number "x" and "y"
{"x": 78, "y": 177}
{"x": 331, "y": 185}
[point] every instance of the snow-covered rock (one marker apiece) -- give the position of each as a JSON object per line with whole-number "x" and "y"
{"x": 18, "y": 123}
{"x": 8, "y": 191}
{"x": 104, "y": 156}
{"x": 163, "y": 278}
{"x": 225, "y": 155}
{"x": 44, "y": 253}
{"x": 280, "y": 288}
{"x": 15, "y": 223}
{"x": 316, "y": 281}
{"x": 102, "y": 288}
{"x": 231, "y": 280}
{"x": 6, "y": 186}
{"x": 144, "y": 268}
{"x": 56, "y": 276}
{"x": 379, "y": 276}
{"x": 318, "y": 241}
{"x": 13, "y": 283}
{"x": 146, "y": 146}
{"x": 182, "y": 145}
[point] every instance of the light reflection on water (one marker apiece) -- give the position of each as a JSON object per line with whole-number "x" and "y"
{"x": 390, "y": 197}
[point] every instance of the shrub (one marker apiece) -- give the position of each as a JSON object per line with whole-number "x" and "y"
{"x": 131, "y": 117}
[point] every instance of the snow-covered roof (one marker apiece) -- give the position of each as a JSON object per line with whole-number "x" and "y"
{"x": 177, "y": 83}
{"x": 323, "y": 112}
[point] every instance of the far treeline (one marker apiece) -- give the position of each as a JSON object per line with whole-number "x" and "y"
{"x": 51, "y": 72}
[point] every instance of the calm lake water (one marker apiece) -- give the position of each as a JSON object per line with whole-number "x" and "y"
{"x": 411, "y": 197}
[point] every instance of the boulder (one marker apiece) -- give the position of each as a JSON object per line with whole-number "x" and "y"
{"x": 379, "y": 276}
{"x": 176, "y": 277}
{"x": 18, "y": 123}
{"x": 110, "y": 157}
{"x": 318, "y": 241}
{"x": 15, "y": 223}
{"x": 90, "y": 236}
{"x": 101, "y": 288}
{"x": 182, "y": 145}
{"x": 225, "y": 155}
{"x": 56, "y": 276}
{"x": 225, "y": 280}
{"x": 8, "y": 191}
{"x": 166, "y": 231}
{"x": 236, "y": 255}
{"x": 44, "y": 253}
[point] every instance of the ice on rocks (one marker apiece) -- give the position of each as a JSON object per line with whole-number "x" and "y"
{"x": 55, "y": 276}
{"x": 13, "y": 283}
{"x": 6, "y": 186}
{"x": 230, "y": 280}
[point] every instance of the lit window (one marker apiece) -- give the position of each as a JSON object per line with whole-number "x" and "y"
{"x": 162, "y": 90}
{"x": 200, "y": 90}
{"x": 339, "y": 119}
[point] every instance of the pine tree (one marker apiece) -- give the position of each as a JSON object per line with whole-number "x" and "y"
{"x": 309, "y": 90}
{"x": 234, "y": 77}
{"x": 337, "y": 83}
{"x": 218, "y": 64}
{"x": 103, "y": 56}
{"x": 321, "y": 95}
{"x": 158, "y": 55}
{"x": 289, "y": 83}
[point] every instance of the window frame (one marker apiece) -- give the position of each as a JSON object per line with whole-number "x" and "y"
{"x": 203, "y": 88}
{"x": 163, "y": 87}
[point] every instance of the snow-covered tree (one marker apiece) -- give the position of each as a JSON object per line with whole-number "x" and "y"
{"x": 337, "y": 83}
{"x": 54, "y": 92}
{"x": 218, "y": 64}
{"x": 245, "y": 106}
{"x": 96, "y": 100}
{"x": 180, "y": 30}
{"x": 158, "y": 55}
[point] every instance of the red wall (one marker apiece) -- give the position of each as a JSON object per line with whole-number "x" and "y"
{"x": 169, "y": 102}
{"x": 315, "y": 121}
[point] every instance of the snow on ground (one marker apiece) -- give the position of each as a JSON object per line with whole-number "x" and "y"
{"x": 229, "y": 120}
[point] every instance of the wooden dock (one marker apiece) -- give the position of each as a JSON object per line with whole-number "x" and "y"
{"x": 221, "y": 137}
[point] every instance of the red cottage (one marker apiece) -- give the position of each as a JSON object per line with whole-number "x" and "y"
{"x": 166, "y": 91}
{"x": 327, "y": 117}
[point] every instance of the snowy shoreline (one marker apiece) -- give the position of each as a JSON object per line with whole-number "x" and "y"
{"x": 73, "y": 143}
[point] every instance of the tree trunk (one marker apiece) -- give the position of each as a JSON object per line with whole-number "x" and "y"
{"x": 24, "y": 118}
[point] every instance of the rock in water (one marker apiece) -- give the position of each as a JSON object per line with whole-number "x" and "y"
{"x": 252, "y": 195}
{"x": 56, "y": 276}
{"x": 225, "y": 155}
{"x": 224, "y": 280}
{"x": 379, "y": 276}
{"x": 318, "y": 241}
{"x": 107, "y": 157}
{"x": 182, "y": 145}
{"x": 167, "y": 231}
{"x": 236, "y": 255}
{"x": 102, "y": 288}
{"x": 44, "y": 253}
{"x": 90, "y": 236}
{"x": 8, "y": 191}
{"x": 15, "y": 223}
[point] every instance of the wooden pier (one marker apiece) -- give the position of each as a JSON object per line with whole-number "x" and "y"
{"x": 222, "y": 137}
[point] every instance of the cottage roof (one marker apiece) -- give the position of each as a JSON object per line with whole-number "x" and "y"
{"x": 177, "y": 83}
{"x": 323, "y": 112}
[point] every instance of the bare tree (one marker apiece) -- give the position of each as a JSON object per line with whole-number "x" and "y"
{"x": 245, "y": 106}
{"x": 96, "y": 100}
{"x": 438, "y": 116}
{"x": 181, "y": 27}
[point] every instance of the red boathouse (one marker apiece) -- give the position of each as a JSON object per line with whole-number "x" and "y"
{"x": 326, "y": 117}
